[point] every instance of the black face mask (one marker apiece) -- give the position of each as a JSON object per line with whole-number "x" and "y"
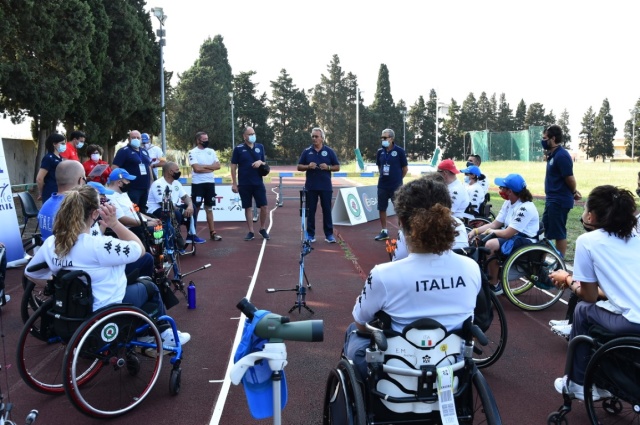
{"x": 125, "y": 187}
{"x": 469, "y": 164}
{"x": 177, "y": 175}
{"x": 584, "y": 226}
{"x": 205, "y": 144}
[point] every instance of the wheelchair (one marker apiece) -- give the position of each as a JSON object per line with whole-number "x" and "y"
{"x": 422, "y": 375}
{"x": 483, "y": 216}
{"x": 524, "y": 273}
{"x": 106, "y": 361}
{"x": 614, "y": 366}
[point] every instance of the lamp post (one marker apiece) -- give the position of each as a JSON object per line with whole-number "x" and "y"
{"x": 438, "y": 106}
{"x": 404, "y": 129}
{"x": 233, "y": 127}
{"x": 158, "y": 13}
{"x": 634, "y": 111}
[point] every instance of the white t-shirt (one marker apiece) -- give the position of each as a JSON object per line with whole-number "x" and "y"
{"x": 612, "y": 262}
{"x": 459, "y": 198}
{"x": 476, "y": 194}
{"x": 154, "y": 201}
{"x": 484, "y": 184}
{"x": 205, "y": 156}
{"x": 441, "y": 287}
{"x": 104, "y": 258}
{"x": 461, "y": 241}
{"x": 521, "y": 216}
{"x": 155, "y": 153}
{"x": 123, "y": 204}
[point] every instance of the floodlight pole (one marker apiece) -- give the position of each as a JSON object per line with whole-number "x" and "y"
{"x": 404, "y": 130}
{"x": 159, "y": 13}
{"x": 634, "y": 111}
{"x": 233, "y": 130}
{"x": 357, "y": 117}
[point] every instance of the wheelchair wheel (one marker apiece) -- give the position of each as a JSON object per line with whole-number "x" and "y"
{"x": 109, "y": 338}
{"x": 484, "y": 406}
{"x": 485, "y": 356}
{"x": 477, "y": 222}
{"x": 525, "y": 277}
{"x": 615, "y": 367}
{"x": 343, "y": 400}
{"x": 32, "y": 298}
{"x": 174, "y": 380}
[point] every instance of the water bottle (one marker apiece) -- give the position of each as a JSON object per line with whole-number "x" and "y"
{"x": 191, "y": 295}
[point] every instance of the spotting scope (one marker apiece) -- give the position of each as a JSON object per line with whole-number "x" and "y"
{"x": 276, "y": 328}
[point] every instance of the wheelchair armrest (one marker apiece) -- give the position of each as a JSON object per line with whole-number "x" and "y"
{"x": 36, "y": 267}
{"x": 405, "y": 371}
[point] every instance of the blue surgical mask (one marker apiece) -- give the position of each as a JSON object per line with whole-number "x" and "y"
{"x": 545, "y": 144}
{"x": 80, "y": 145}
{"x": 252, "y": 138}
{"x": 62, "y": 147}
{"x": 135, "y": 143}
{"x": 467, "y": 179}
{"x": 385, "y": 143}
{"x": 95, "y": 157}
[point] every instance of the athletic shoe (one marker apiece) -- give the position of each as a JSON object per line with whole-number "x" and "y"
{"x": 169, "y": 341}
{"x": 578, "y": 390}
{"x": 383, "y": 236}
{"x": 330, "y": 239}
{"x": 562, "y": 330}
{"x": 264, "y": 234}
{"x": 215, "y": 237}
{"x": 553, "y": 323}
{"x": 249, "y": 236}
{"x": 194, "y": 239}
{"x": 182, "y": 252}
{"x": 5, "y": 299}
{"x": 312, "y": 239}
{"x": 497, "y": 289}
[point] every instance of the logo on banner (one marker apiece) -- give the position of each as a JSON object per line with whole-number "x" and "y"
{"x": 353, "y": 205}
{"x": 369, "y": 202}
{"x": 6, "y": 200}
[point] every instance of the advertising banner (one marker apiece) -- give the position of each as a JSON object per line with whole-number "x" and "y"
{"x": 356, "y": 205}
{"x": 228, "y": 206}
{"x": 10, "y": 229}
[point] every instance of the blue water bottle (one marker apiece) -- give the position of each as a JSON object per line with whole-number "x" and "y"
{"x": 191, "y": 295}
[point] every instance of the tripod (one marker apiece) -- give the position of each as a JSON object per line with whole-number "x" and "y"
{"x": 305, "y": 248}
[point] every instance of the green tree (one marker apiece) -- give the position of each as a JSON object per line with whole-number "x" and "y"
{"x": 586, "y": 133}
{"x": 603, "y": 133}
{"x": 631, "y": 132}
{"x": 505, "y": 115}
{"x": 469, "y": 115}
{"x": 563, "y": 122}
{"x": 485, "y": 115}
{"x": 292, "y": 117}
{"x": 521, "y": 114}
{"x": 535, "y": 115}
{"x": 201, "y": 99}
{"x": 384, "y": 111}
{"x": 453, "y": 134}
{"x": 420, "y": 125}
{"x": 251, "y": 111}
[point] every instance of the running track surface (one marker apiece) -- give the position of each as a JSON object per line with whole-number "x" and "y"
{"x": 522, "y": 380}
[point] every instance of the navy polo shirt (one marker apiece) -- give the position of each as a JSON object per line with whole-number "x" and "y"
{"x": 559, "y": 167}
{"x": 243, "y": 158}
{"x": 130, "y": 159}
{"x": 397, "y": 160}
{"x": 50, "y": 163}
{"x": 318, "y": 179}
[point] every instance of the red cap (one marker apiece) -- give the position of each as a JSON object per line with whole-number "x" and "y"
{"x": 448, "y": 165}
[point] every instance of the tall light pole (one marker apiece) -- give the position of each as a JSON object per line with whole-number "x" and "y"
{"x": 438, "y": 106}
{"x": 404, "y": 129}
{"x": 634, "y": 111}
{"x": 233, "y": 127}
{"x": 158, "y": 13}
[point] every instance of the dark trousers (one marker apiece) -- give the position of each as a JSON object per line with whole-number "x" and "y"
{"x": 139, "y": 197}
{"x": 312, "y": 206}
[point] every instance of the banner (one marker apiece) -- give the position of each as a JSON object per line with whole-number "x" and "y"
{"x": 228, "y": 206}
{"x": 10, "y": 229}
{"x": 357, "y": 205}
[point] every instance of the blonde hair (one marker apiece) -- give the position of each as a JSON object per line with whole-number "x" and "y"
{"x": 71, "y": 218}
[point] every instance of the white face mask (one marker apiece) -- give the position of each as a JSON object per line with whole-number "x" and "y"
{"x": 80, "y": 145}
{"x": 95, "y": 156}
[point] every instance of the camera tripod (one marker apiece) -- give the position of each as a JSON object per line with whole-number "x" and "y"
{"x": 305, "y": 248}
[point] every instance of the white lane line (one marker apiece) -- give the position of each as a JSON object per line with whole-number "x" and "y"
{"x": 226, "y": 384}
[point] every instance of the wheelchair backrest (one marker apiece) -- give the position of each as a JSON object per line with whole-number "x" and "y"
{"x": 73, "y": 301}
{"x": 424, "y": 345}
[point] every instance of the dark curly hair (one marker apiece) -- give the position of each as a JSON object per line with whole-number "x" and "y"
{"x": 615, "y": 210}
{"x": 424, "y": 210}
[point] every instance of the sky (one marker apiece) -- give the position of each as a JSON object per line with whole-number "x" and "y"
{"x": 563, "y": 54}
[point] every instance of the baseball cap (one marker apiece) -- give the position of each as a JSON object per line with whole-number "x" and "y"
{"x": 473, "y": 169}
{"x": 144, "y": 137}
{"x": 448, "y": 165}
{"x": 120, "y": 173}
{"x": 100, "y": 188}
{"x": 514, "y": 182}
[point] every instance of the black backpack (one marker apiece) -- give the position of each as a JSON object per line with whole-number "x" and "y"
{"x": 73, "y": 301}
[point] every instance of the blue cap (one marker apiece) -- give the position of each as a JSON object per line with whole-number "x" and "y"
{"x": 100, "y": 188}
{"x": 472, "y": 170}
{"x": 144, "y": 137}
{"x": 514, "y": 182}
{"x": 120, "y": 173}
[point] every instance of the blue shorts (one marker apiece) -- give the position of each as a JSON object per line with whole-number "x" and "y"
{"x": 384, "y": 195}
{"x": 257, "y": 192}
{"x": 554, "y": 220}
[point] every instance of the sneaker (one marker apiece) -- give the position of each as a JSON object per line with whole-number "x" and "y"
{"x": 578, "y": 390}
{"x": 553, "y": 323}
{"x": 497, "y": 289}
{"x": 249, "y": 236}
{"x": 330, "y": 239}
{"x": 264, "y": 234}
{"x": 5, "y": 299}
{"x": 215, "y": 237}
{"x": 182, "y": 251}
{"x": 562, "y": 330}
{"x": 194, "y": 239}
{"x": 383, "y": 236}
{"x": 312, "y": 239}
{"x": 169, "y": 341}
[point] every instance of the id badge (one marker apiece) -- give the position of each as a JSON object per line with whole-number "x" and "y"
{"x": 385, "y": 170}
{"x": 143, "y": 169}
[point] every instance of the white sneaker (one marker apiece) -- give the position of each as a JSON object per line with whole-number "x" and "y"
{"x": 562, "y": 330}
{"x": 578, "y": 390}
{"x": 167, "y": 338}
{"x": 558, "y": 322}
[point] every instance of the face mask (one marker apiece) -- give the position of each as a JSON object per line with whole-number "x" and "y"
{"x": 469, "y": 164}
{"x": 95, "y": 157}
{"x": 385, "y": 143}
{"x": 80, "y": 145}
{"x": 252, "y": 138}
{"x": 504, "y": 195}
{"x": 545, "y": 144}
{"x": 205, "y": 144}
{"x": 125, "y": 187}
{"x": 638, "y": 191}
{"x": 62, "y": 147}
{"x": 177, "y": 175}
{"x": 467, "y": 179}
{"x": 584, "y": 226}
{"x": 135, "y": 143}
{"x": 146, "y": 145}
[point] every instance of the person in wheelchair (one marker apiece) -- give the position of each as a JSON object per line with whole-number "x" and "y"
{"x": 517, "y": 223}
{"x": 431, "y": 282}
{"x": 104, "y": 258}
{"x": 606, "y": 258}
{"x": 474, "y": 188}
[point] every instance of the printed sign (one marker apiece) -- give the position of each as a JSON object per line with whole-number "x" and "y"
{"x": 228, "y": 206}
{"x": 10, "y": 229}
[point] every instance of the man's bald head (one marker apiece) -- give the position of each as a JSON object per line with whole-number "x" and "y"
{"x": 69, "y": 174}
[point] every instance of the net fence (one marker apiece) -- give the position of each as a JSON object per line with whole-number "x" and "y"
{"x": 521, "y": 145}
